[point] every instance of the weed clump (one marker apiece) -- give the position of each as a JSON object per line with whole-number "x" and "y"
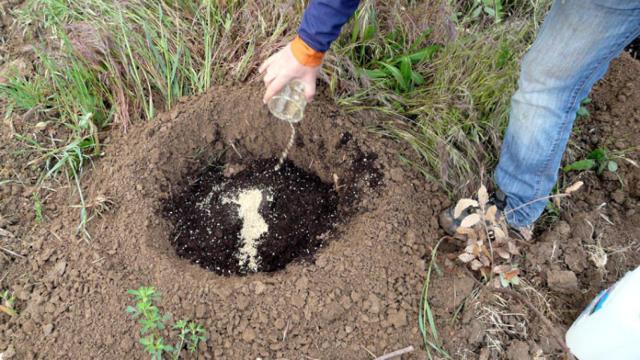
{"x": 153, "y": 323}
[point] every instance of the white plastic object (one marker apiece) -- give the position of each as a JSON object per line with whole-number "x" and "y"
{"x": 609, "y": 328}
{"x": 289, "y": 103}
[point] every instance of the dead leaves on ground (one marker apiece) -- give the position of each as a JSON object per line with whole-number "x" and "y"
{"x": 487, "y": 238}
{"x": 489, "y": 249}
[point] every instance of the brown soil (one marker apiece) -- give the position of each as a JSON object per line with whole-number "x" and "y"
{"x": 358, "y": 296}
{"x": 297, "y": 208}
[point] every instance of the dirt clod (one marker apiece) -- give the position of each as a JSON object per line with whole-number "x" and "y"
{"x": 563, "y": 281}
{"x": 518, "y": 350}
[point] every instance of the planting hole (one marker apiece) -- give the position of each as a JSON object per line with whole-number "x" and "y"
{"x": 238, "y": 219}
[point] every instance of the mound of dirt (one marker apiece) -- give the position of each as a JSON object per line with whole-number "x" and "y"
{"x": 359, "y": 293}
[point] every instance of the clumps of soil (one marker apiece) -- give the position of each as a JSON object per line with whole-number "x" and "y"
{"x": 257, "y": 219}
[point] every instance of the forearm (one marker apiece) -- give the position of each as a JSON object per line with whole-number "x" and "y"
{"x": 320, "y": 26}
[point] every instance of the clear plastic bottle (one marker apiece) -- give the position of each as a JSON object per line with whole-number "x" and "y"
{"x": 609, "y": 328}
{"x": 289, "y": 103}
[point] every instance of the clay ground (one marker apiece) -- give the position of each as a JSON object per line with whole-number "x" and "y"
{"x": 359, "y": 296}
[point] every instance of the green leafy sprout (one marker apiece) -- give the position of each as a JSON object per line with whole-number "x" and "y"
{"x": 7, "y": 301}
{"x": 599, "y": 160}
{"x": 582, "y": 110}
{"x": 152, "y": 323}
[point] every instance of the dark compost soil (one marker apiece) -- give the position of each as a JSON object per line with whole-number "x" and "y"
{"x": 297, "y": 207}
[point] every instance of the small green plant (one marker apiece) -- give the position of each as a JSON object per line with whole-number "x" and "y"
{"x": 492, "y": 8}
{"x": 37, "y": 207}
{"x": 582, "y": 110}
{"x": 190, "y": 334}
{"x": 152, "y": 322}
{"x": 7, "y": 301}
{"x": 599, "y": 160}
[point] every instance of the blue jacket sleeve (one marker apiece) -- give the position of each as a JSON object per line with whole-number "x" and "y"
{"x": 323, "y": 20}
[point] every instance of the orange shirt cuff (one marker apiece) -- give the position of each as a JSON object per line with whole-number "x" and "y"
{"x": 305, "y": 54}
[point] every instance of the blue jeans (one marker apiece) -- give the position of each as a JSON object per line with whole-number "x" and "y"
{"x": 572, "y": 51}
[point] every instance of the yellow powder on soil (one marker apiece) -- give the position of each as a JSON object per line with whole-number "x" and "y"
{"x": 253, "y": 225}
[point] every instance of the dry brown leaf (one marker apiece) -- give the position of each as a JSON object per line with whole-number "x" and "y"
{"x": 473, "y": 249}
{"x": 41, "y": 125}
{"x": 484, "y": 260}
{"x": 577, "y": 185}
{"x": 464, "y": 230}
{"x": 512, "y": 248}
{"x": 470, "y": 220}
{"x": 486, "y": 252}
{"x": 500, "y": 235}
{"x": 462, "y": 205}
{"x": 500, "y": 269}
{"x": 483, "y": 196}
{"x": 503, "y": 253}
{"x": 465, "y": 258}
{"x": 469, "y": 249}
{"x": 6, "y": 233}
{"x": 490, "y": 215}
{"x": 475, "y": 265}
{"x": 509, "y": 275}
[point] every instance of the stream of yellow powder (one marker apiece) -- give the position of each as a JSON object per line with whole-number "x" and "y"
{"x": 253, "y": 225}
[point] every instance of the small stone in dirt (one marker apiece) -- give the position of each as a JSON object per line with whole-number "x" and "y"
{"x": 619, "y": 196}
{"x": 259, "y": 287}
{"x": 279, "y": 324}
{"x": 9, "y": 353}
{"x": 201, "y": 309}
{"x": 297, "y": 300}
{"x": 563, "y": 281}
{"x": 562, "y": 228}
{"x": 58, "y": 269}
{"x": 398, "y": 318}
{"x": 476, "y": 332}
{"x": 248, "y": 334}
{"x": 332, "y": 311}
{"x": 302, "y": 283}
{"x": 397, "y": 174}
{"x": 518, "y": 350}
{"x": 374, "y": 302}
{"x": 47, "y": 329}
{"x": 576, "y": 258}
{"x": 232, "y": 169}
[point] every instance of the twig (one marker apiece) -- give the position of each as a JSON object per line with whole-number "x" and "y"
{"x": 11, "y": 252}
{"x": 561, "y": 195}
{"x": 396, "y": 353}
{"x": 369, "y": 351}
{"x": 233, "y": 146}
{"x": 6, "y": 233}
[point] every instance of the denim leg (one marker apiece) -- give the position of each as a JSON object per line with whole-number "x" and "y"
{"x": 572, "y": 51}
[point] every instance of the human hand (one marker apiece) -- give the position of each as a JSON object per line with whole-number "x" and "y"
{"x": 282, "y": 67}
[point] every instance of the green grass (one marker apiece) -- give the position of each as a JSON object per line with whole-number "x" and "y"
{"x": 426, "y": 320}
{"x": 111, "y": 63}
{"x": 457, "y": 110}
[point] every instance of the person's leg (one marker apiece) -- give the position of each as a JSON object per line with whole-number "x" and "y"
{"x": 572, "y": 51}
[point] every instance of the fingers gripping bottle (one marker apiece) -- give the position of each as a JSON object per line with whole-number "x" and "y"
{"x": 289, "y": 103}
{"x": 609, "y": 328}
